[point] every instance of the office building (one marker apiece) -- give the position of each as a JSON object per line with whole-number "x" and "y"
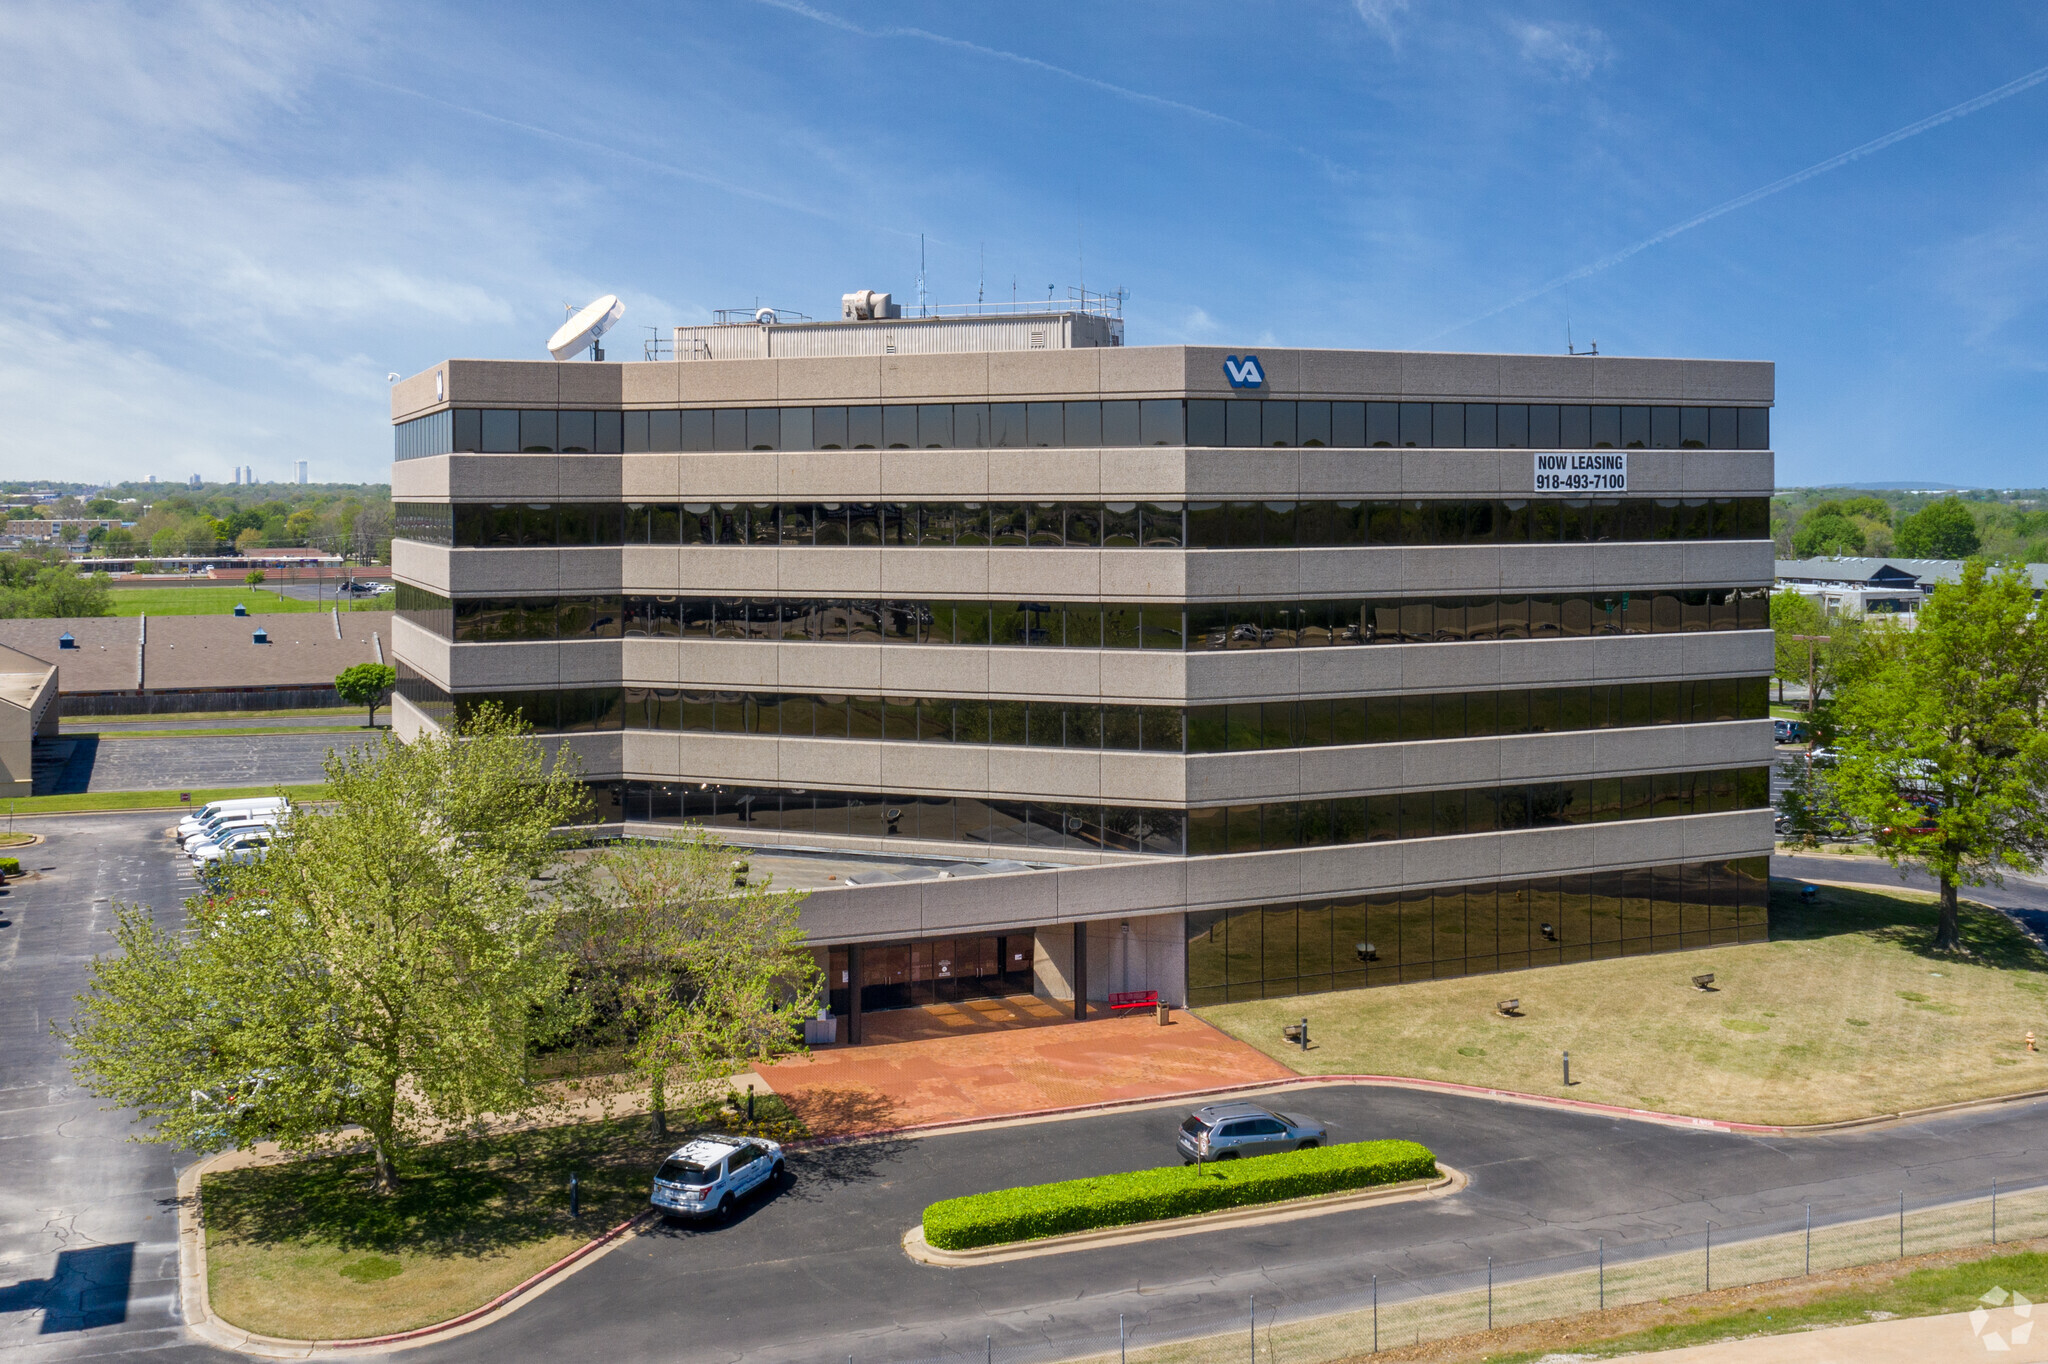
{"x": 1218, "y": 673}
{"x": 299, "y": 472}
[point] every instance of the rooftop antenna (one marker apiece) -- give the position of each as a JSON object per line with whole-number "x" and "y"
{"x": 981, "y": 279}
{"x": 922, "y": 311}
{"x": 586, "y": 328}
{"x": 1592, "y": 348}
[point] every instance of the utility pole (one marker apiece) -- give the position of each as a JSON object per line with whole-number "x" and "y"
{"x": 1811, "y": 641}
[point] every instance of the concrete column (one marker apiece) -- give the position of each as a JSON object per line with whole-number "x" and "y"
{"x": 853, "y": 995}
{"x": 1080, "y": 971}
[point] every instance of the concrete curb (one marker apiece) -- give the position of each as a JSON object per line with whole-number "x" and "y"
{"x": 1428, "y": 1086}
{"x": 197, "y": 1309}
{"x": 1447, "y": 1182}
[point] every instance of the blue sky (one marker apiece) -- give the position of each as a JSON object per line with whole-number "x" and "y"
{"x": 221, "y": 226}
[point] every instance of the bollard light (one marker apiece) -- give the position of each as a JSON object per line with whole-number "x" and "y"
{"x": 575, "y": 1210}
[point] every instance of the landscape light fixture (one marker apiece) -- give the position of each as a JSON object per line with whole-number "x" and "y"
{"x": 1549, "y": 933}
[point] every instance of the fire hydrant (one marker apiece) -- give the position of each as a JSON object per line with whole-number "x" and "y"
{"x": 2030, "y": 1041}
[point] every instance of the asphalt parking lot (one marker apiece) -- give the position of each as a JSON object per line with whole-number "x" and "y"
{"x": 816, "y": 1273}
{"x": 89, "y": 763}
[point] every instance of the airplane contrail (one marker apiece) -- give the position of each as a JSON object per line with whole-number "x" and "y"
{"x": 1949, "y": 115}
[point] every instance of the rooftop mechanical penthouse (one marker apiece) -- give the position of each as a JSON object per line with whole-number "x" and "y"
{"x": 1218, "y": 673}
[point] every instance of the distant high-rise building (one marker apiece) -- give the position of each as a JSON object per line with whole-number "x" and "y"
{"x": 300, "y": 469}
{"x": 152, "y": 479}
{"x": 192, "y": 482}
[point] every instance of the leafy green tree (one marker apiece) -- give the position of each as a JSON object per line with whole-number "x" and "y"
{"x": 1827, "y": 532}
{"x": 1940, "y": 530}
{"x": 386, "y": 966}
{"x": 703, "y": 971}
{"x": 253, "y": 576}
{"x": 1941, "y": 737}
{"x": 366, "y": 684}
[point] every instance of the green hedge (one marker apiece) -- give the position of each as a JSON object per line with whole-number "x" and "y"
{"x": 10, "y": 866}
{"x": 1177, "y": 1191}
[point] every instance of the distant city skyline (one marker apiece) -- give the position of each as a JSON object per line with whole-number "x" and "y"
{"x": 224, "y": 229}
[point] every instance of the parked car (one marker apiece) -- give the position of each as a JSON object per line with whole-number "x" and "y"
{"x": 214, "y": 812}
{"x": 1228, "y": 1131}
{"x": 197, "y": 846}
{"x": 240, "y": 848}
{"x": 709, "y": 1176}
{"x": 1789, "y": 731}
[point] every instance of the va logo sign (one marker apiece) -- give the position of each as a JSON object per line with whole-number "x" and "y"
{"x": 1243, "y": 373}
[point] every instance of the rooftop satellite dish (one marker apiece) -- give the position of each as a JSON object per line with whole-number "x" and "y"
{"x": 586, "y": 327}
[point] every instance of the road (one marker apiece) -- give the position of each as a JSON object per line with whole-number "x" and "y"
{"x": 816, "y": 1274}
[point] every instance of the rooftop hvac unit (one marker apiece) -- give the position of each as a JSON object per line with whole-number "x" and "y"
{"x": 865, "y": 305}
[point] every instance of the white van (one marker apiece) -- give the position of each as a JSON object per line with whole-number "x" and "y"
{"x": 208, "y": 812}
{"x": 200, "y": 844}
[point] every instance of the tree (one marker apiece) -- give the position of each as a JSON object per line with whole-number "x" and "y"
{"x": 1942, "y": 748}
{"x": 1939, "y": 530}
{"x": 1793, "y": 614}
{"x": 386, "y": 966}
{"x": 1827, "y": 532}
{"x": 702, "y": 970}
{"x": 255, "y": 576}
{"x": 366, "y": 684}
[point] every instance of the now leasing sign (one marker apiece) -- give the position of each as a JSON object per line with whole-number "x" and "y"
{"x": 1603, "y": 471}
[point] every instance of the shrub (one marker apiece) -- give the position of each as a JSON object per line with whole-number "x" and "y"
{"x": 10, "y": 866}
{"x": 1176, "y": 1191}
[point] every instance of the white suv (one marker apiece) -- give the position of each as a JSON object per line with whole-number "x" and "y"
{"x": 710, "y": 1175}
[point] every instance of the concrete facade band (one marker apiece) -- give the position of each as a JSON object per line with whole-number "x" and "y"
{"x": 1494, "y": 893}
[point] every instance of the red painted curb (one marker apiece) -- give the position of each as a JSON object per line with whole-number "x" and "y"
{"x": 495, "y": 1303}
{"x": 1388, "y": 1081}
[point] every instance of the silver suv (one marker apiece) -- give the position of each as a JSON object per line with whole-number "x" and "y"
{"x": 1229, "y": 1131}
{"x": 708, "y": 1177}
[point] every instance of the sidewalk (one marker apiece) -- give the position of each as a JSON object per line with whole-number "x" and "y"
{"x": 954, "y": 1062}
{"x": 1995, "y": 1334}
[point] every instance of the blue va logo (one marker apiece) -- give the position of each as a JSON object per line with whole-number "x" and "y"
{"x": 1245, "y": 373}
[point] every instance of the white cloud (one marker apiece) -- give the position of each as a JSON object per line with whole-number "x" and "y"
{"x": 1567, "y": 51}
{"x": 1383, "y": 17}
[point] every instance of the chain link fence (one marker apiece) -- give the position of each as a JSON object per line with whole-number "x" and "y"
{"x": 1384, "y": 1312}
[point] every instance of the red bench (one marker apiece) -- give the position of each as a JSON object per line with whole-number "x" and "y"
{"x": 1134, "y": 999}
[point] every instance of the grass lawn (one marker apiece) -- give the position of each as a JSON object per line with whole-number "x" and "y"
{"x": 1846, "y": 1012}
{"x": 149, "y": 800}
{"x": 220, "y": 599}
{"x": 306, "y": 1250}
{"x": 1932, "y": 1285}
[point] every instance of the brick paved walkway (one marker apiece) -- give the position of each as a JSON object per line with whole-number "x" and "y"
{"x": 991, "y": 1058}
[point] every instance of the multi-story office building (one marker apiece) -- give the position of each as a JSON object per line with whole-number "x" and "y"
{"x": 1151, "y": 668}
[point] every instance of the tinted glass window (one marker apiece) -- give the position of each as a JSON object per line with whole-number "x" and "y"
{"x": 1664, "y": 428}
{"x": 1241, "y": 422}
{"x": 1205, "y": 422}
{"x": 469, "y": 429}
{"x": 1605, "y": 427}
{"x": 863, "y": 428}
{"x": 1045, "y": 424}
{"x": 1543, "y": 432}
{"x": 764, "y": 428}
{"x": 935, "y": 426}
{"x": 696, "y": 430}
{"x": 1347, "y": 425}
{"x": 970, "y": 426}
{"x": 1754, "y": 429}
{"x": 1159, "y": 421}
{"x": 1692, "y": 428}
{"x": 797, "y": 427}
{"x": 1382, "y": 424}
{"x": 1414, "y": 423}
{"x": 501, "y": 431}
{"x": 1511, "y": 427}
{"x": 1084, "y": 424}
{"x": 1481, "y": 426}
{"x": 1312, "y": 423}
{"x": 1007, "y": 425}
{"x": 899, "y": 427}
{"x": 828, "y": 428}
{"x": 1120, "y": 424}
{"x": 664, "y": 431}
{"x": 577, "y": 432}
{"x": 1447, "y": 425}
{"x": 1574, "y": 427}
{"x": 729, "y": 429}
{"x": 1635, "y": 428}
{"x": 1280, "y": 422}
{"x": 537, "y": 432}
{"x": 1721, "y": 428}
